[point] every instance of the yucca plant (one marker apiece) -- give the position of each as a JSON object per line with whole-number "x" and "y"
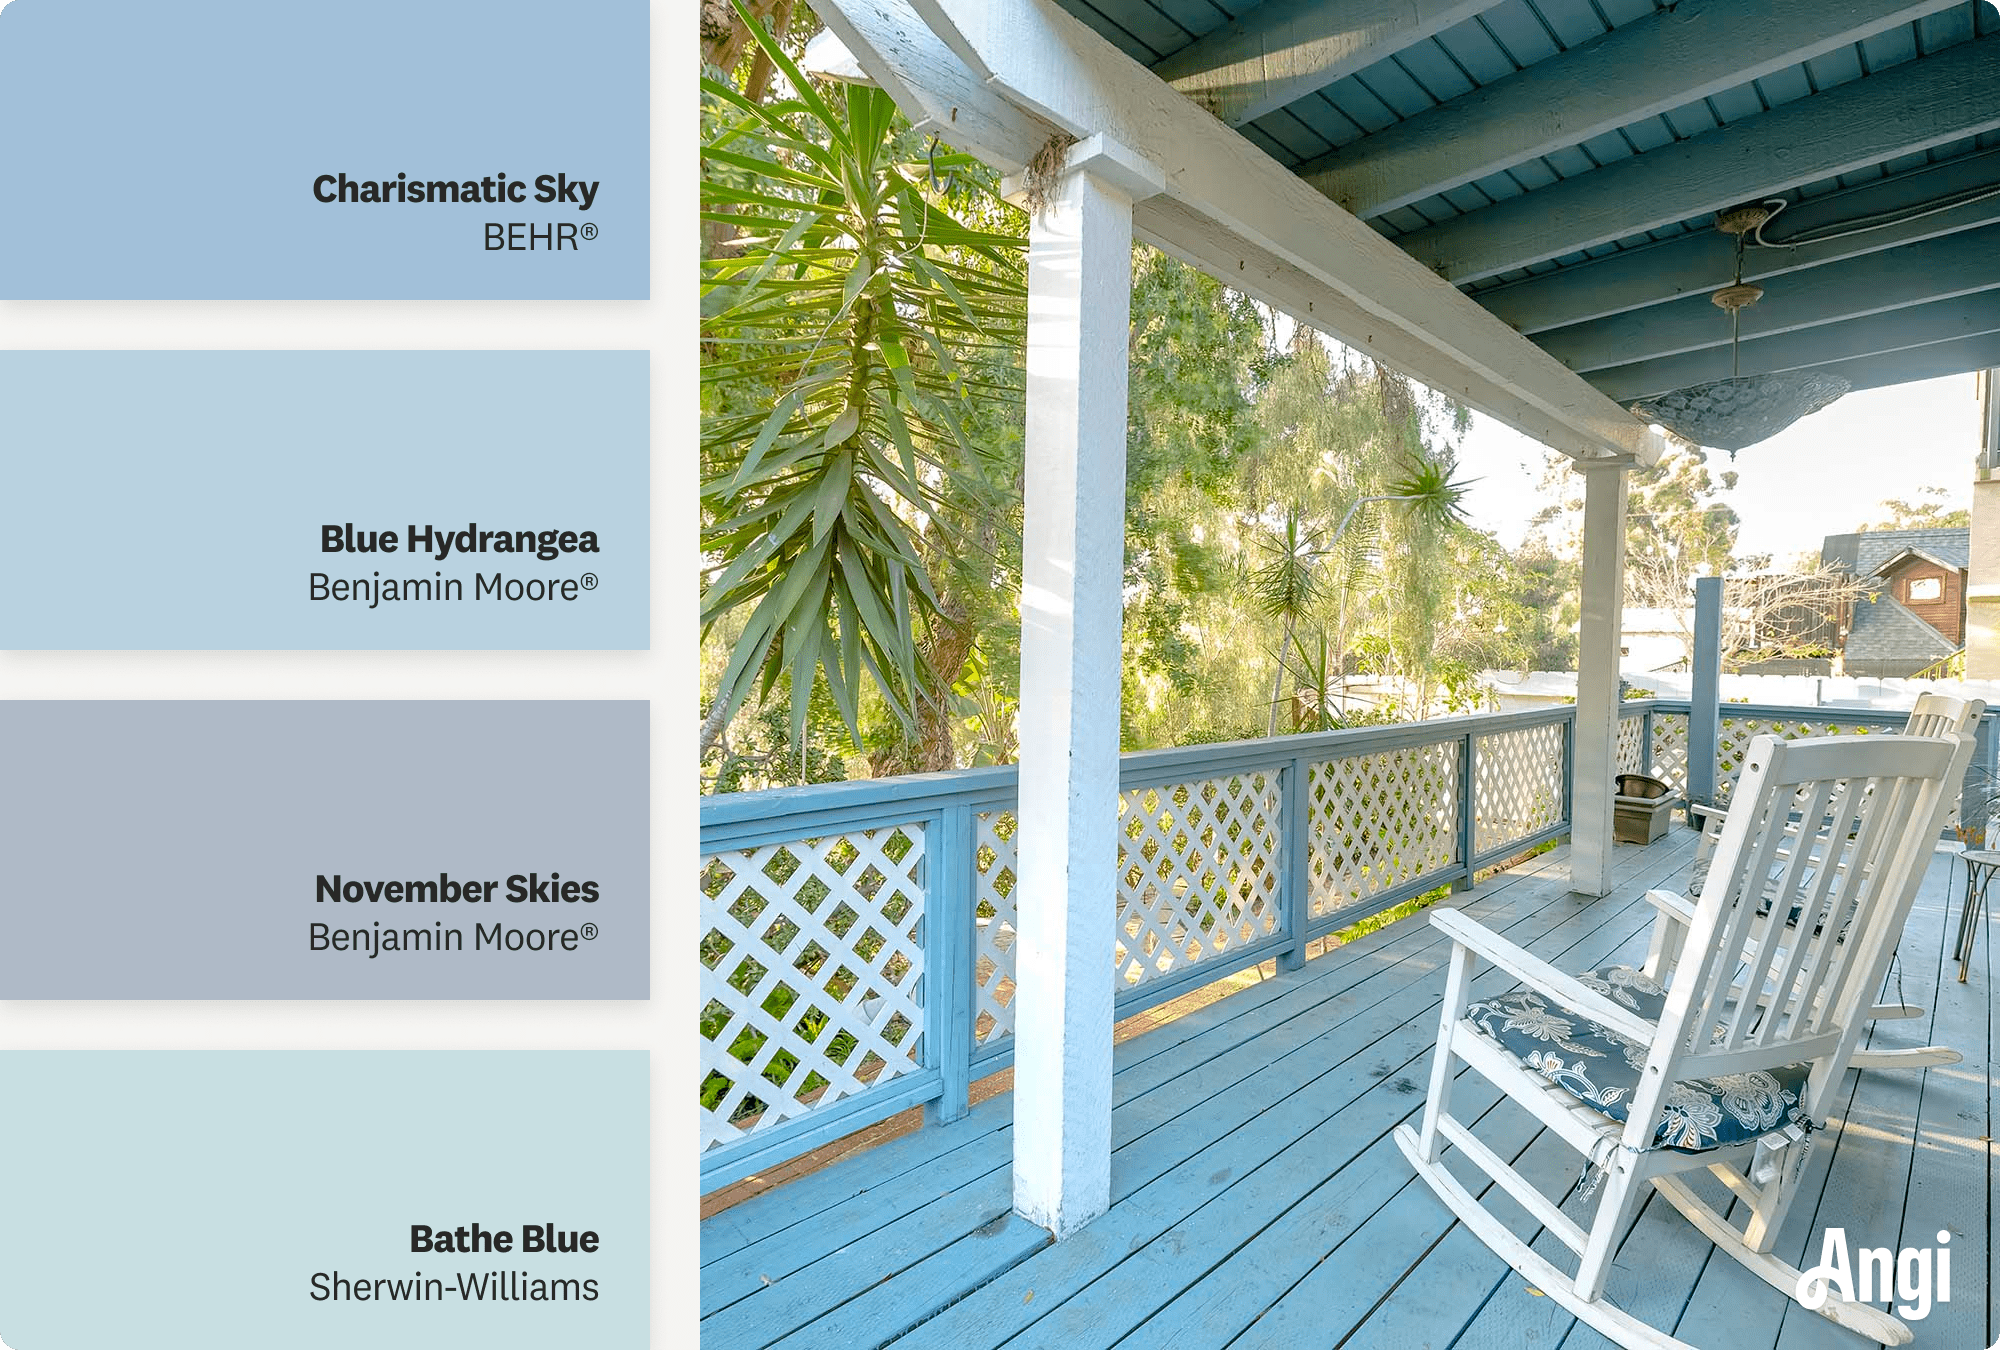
{"x": 1287, "y": 588}
{"x": 1290, "y": 585}
{"x": 850, "y": 327}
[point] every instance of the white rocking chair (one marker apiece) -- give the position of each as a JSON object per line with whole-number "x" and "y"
{"x": 1648, "y": 1082}
{"x": 1933, "y": 715}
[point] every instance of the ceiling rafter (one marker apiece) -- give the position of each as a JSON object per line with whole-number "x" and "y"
{"x": 1909, "y": 108}
{"x": 1958, "y": 264}
{"x": 1641, "y": 70}
{"x": 1700, "y": 261}
{"x": 1284, "y": 50}
{"x": 1801, "y": 349}
{"x": 1929, "y": 362}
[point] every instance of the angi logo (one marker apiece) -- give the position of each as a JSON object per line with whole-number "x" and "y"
{"x": 1872, "y": 1274}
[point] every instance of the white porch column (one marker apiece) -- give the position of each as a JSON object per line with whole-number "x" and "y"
{"x": 1073, "y": 562}
{"x": 1597, "y": 654}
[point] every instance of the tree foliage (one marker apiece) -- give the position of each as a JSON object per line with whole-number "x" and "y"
{"x": 843, "y": 327}
{"x": 1292, "y": 524}
{"x": 1927, "y": 508}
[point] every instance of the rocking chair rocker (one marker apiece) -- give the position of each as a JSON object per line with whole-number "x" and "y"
{"x": 1649, "y": 1081}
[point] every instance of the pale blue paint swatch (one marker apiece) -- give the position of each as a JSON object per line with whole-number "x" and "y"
{"x": 177, "y": 500}
{"x": 167, "y": 149}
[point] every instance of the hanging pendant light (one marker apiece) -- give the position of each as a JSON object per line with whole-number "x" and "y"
{"x": 1741, "y": 410}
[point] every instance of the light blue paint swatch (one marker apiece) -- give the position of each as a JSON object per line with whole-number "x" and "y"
{"x": 177, "y": 500}
{"x": 168, "y": 149}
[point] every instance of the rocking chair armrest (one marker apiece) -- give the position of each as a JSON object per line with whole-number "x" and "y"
{"x": 1708, "y": 811}
{"x": 1542, "y": 977}
{"x": 1672, "y": 905}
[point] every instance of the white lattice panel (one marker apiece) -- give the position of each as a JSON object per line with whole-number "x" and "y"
{"x": 1517, "y": 785}
{"x": 996, "y": 862}
{"x": 1197, "y": 872}
{"x": 1380, "y": 820}
{"x": 1670, "y": 749}
{"x": 812, "y": 967}
{"x": 1632, "y": 743}
{"x": 1737, "y": 733}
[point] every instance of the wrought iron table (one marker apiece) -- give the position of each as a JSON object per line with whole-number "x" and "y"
{"x": 1980, "y": 866}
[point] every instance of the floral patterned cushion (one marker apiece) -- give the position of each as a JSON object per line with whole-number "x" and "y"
{"x": 1601, "y": 1068}
{"x": 1698, "y": 874}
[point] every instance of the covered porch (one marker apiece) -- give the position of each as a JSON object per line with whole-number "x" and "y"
{"x": 1525, "y": 204}
{"x": 1257, "y": 1200}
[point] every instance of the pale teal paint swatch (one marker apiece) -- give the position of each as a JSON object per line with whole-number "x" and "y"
{"x": 186, "y": 1199}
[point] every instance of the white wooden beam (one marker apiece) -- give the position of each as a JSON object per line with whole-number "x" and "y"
{"x": 1283, "y": 50}
{"x": 938, "y": 94}
{"x": 1596, "y": 750}
{"x": 1699, "y": 262}
{"x": 1073, "y": 568}
{"x": 1874, "y": 334}
{"x": 1907, "y": 108}
{"x": 1959, "y": 264}
{"x": 930, "y": 83}
{"x": 1672, "y": 58}
{"x": 1177, "y": 229}
{"x": 1055, "y": 67}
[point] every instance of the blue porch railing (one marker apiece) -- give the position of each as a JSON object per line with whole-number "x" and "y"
{"x": 857, "y": 951}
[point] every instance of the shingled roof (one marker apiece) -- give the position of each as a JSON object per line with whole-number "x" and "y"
{"x": 1885, "y": 630}
{"x": 1867, "y": 552}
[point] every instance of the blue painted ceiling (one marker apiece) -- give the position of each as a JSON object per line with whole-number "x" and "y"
{"x": 1506, "y": 38}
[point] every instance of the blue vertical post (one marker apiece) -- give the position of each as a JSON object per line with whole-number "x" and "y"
{"x": 1705, "y": 697}
{"x": 1465, "y": 817}
{"x": 948, "y": 956}
{"x": 1295, "y": 855}
{"x": 1569, "y": 769}
{"x": 1646, "y": 740}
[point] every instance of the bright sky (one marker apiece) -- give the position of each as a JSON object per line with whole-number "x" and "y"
{"x": 1823, "y": 475}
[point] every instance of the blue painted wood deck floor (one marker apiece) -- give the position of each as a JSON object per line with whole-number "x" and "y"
{"x": 1259, "y": 1202}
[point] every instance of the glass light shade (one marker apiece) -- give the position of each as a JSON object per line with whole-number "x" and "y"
{"x": 1735, "y": 414}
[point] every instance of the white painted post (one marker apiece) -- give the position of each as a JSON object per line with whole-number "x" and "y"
{"x": 1079, "y": 301}
{"x": 1597, "y": 674}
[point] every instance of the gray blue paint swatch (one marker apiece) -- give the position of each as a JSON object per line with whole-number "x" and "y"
{"x": 324, "y": 850}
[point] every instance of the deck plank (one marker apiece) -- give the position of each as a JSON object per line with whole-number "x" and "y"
{"x": 1872, "y": 1153}
{"x": 1954, "y": 1133}
{"x": 894, "y": 1306}
{"x": 1877, "y": 1173}
{"x": 1323, "y": 1290}
{"x": 772, "y": 1212}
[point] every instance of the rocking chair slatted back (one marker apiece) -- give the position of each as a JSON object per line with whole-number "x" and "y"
{"x": 1943, "y": 715}
{"x": 1840, "y": 830}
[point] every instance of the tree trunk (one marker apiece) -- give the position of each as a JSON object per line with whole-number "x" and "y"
{"x": 760, "y": 66}
{"x": 1278, "y": 681}
{"x": 712, "y": 726}
{"x": 723, "y": 33}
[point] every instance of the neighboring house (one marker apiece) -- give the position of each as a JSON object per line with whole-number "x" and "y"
{"x": 1653, "y": 639}
{"x": 1917, "y": 617}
